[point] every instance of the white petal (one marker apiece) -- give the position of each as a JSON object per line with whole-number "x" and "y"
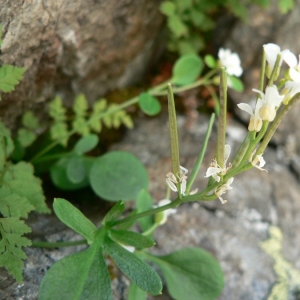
{"x": 290, "y": 58}
{"x": 245, "y": 107}
{"x": 262, "y": 95}
{"x": 172, "y": 186}
{"x": 163, "y": 202}
{"x": 294, "y": 74}
{"x": 183, "y": 170}
{"x": 271, "y": 50}
{"x": 216, "y": 177}
{"x": 212, "y": 171}
{"x": 272, "y": 97}
{"x": 183, "y": 186}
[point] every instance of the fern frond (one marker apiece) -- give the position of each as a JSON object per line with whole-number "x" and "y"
{"x": 10, "y": 76}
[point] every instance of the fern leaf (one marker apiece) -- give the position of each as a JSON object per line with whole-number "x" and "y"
{"x": 26, "y": 137}
{"x": 57, "y": 110}
{"x": 19, "y": 179}
{"x": 59, "y": 132}
{"x": 80, "y": 106}
{"x": 81, "y": 126}
{"x": 99, "y": 106}
{"x": 10, "y": 76}
{"x": 11, "y": 243}
{"x": 127, "y": 121}
{"x": 95, "y": 124}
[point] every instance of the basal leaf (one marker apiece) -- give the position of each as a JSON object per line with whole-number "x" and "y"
{"x": 86, "y": 144}
{"x": 118, "y": 175}
{"x": 114, "y": 213}
{"x": 149, "y": 104}
{"x": 76, "y": 169}
{"x": 138, "y": 271}
{"x": 144, "y": 202}
{"x": 130, "y": 238}
{"x": 10, "y": 76}
{"x": 19, "y": 179}
{"x": 80, "y": 276}
{"x": 59, "y": 177}
{"x": 74, "y": 219}
{"x": 11, "y": 243}
{"x": 199, "y": 274}
{"x": 187, "y": 69}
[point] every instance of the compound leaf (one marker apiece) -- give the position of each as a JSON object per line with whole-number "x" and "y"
{"x": 10, "y": 76}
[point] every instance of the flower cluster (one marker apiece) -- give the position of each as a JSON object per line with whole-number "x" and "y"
{"x": 231, "y": 62}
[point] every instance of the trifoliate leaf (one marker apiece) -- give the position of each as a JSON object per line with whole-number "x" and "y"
{"x": 80, "y": 105}
{"x": 59, "y": 132}
{"x": 57, "y": 110}
{"x": 30, "y": 121}
{"x": 26, "y": 137}
{"x": 19, "y": 179}
{"x": 11, "y": 243}
{"x": 10, "y": 76}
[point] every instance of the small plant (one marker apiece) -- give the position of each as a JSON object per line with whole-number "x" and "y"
{"x": 189, "y": 21}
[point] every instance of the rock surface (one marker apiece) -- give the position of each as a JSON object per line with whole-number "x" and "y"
{"x": 72, "y": 47}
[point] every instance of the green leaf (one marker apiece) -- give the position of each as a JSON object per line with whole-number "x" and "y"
{"x": 26, "y": 137}
{"x": 114, "y": 213}
{"x": 83, "y": 275}
{"x": 187, "y": 69}
{"x": 285, "y": 5}
{"x": 59, "y": 132}
{"x": 235, "y": 83}
{"x": 19, "y": 182}
{"x": 118, "y": 175}
{"x": 30, "y": 121}
{"x": 210, "y": 61}
{"x": 81, "y": 126}
{"x": 199, "y": 274}
{"x": 10, "y": 76}
{"x": 86, "y": 144}
{"x": 74, "y": 219}
{"x": 177, "y": 27}
{"x": 6, "y": 145}
{"x": 11, "y": 243}
{"x": 138, "y": 271}
{"x": 57, "y": 110}
{"x": 167, "y": 8}
{"x": 144, "y": 202}
{"x": 149, "y": 104}
{"x": 135, "y": 293}
{"x": 76, "y": 169}
{"x": 130, "y": 238}
{"x": 80, "y": 105}
{"x": 59, "y": 176}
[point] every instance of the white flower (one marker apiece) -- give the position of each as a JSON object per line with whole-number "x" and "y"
{"x": 172, "y": 180}
{"x": 215, "y": 169}
{"x": 230, "y": 61}
{"x": 258, "y": 161}
{"x": 166, "y": 213}
{"x": 294, "y": 71}
{"x": 291, "y": 88}
{"x": 272, "y": 51}
{"x": 271, "y": 100}
{"x": 222, "y": 190}
{"x": 255, "y": 119}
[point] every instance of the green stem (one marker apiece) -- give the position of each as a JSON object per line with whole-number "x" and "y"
{"x": 57, "y": 244}
{"x": 216, "y": 99}
{"x": 201, "y": 155}
{"x": 262, "y": 72}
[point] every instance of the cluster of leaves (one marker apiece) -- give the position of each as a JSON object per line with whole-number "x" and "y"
{"x": 83, "y": 122}
{"x": 86, "y": 275}
{"x": 20, "y": 193}
{"x": 189, "y": 20}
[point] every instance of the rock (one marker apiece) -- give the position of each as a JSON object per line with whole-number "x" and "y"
{"x": 68, "y": 48}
